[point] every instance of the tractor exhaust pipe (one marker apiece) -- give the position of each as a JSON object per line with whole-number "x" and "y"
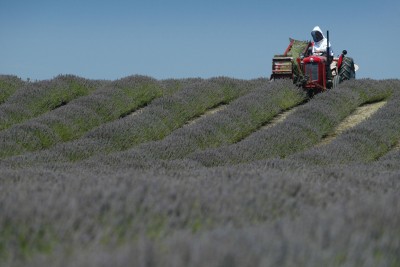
{"x": 328, "y": 54}
{"x": 328, "y": 59}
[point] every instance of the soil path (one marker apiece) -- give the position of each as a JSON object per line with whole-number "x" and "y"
{"x": 207, "y": 113}
{"x": 397, "y": 147}
{"x": 137, "y": 112}
{"x": 279, "y": 118}
{"x": 360, "y": 114}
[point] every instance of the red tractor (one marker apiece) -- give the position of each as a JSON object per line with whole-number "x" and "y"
{"x": 314, "y": 73}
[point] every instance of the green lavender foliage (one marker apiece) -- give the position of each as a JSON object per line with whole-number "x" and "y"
{"x": 8, "y": 85}
{"x": 36, "y": 98}
{"x": 69, "y": 122}
{"x": 155, "y": 121}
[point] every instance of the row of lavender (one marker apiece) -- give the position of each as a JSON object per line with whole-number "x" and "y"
{"x": 367, "y": 142}
{"x": 73, "y": 118}
{"x": 313, "y": 121}
{"x": 236, "y": 216}
{"x": 306, "y": 127}
{"x": 236, "y": 122}
{"x": 310, "y": 123}
{"x": 106, "y": 104}
{"x": 22, "y": 101}
{"x": 193, "y": 100}
{"x": 230, "y": 125}
{"x": 8, "y": 85}
{"x": 155, "y": 121}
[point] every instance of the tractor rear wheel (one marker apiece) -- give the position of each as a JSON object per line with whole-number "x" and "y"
{"x": 347, "y": 70}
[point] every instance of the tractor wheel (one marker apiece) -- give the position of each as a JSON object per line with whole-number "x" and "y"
{"x": 336, "y": 81}
{"x": 347, "y": 70}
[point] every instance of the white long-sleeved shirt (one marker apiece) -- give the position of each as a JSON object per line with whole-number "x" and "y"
{"x": 320, "y": 47}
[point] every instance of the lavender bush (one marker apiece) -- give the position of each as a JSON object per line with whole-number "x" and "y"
{"x": 37, "y": 98}
{"x": 8, "y": 85}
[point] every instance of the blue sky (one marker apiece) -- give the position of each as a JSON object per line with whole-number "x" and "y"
{"x": 110, "y": 39}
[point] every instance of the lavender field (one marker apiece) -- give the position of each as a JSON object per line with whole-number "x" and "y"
{"x": 198, "y": 172}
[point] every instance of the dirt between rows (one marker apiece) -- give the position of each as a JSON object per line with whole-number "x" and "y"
{"x": 397, "y": 147}
{"x": 360, "y": 114}
{"x": 279, "y": 118}
{"x": 208, "y": 113}
{"x": 136, "y": 112}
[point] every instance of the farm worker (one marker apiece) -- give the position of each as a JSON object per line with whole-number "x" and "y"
{"x": 320, "y": 42}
